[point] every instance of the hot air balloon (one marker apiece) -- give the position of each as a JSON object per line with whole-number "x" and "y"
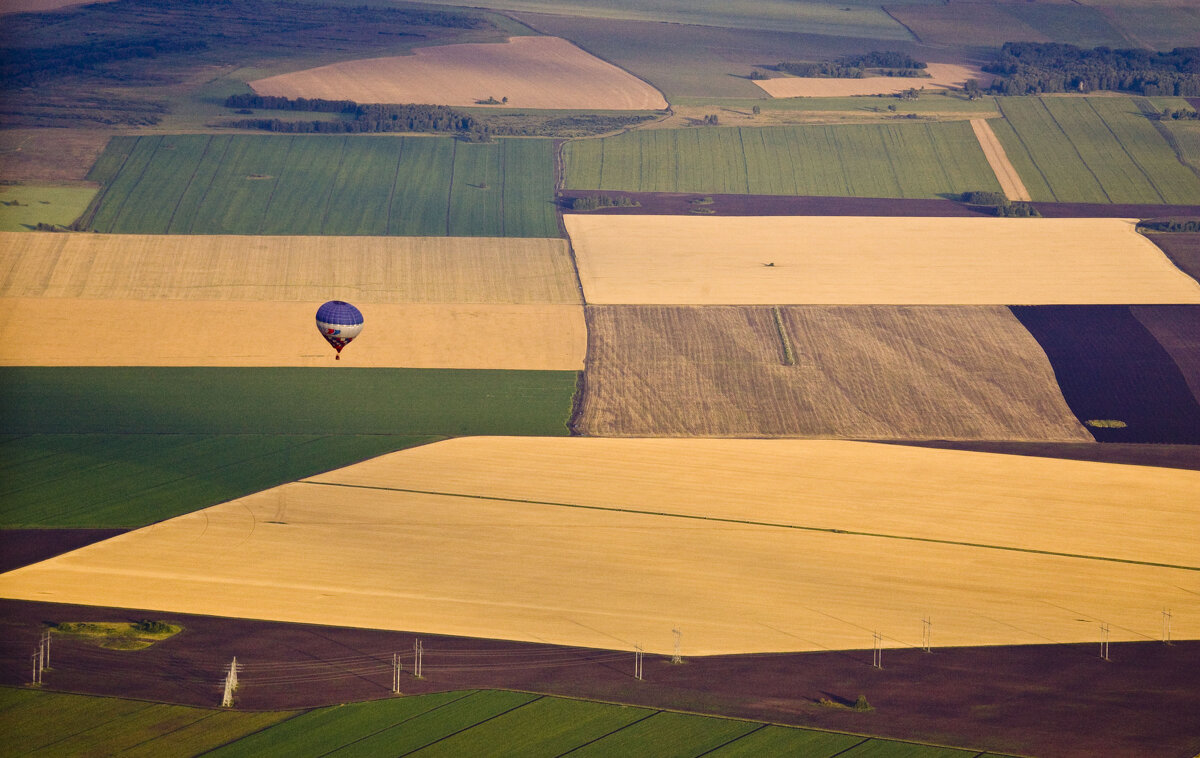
{"x": 339, "y": 322}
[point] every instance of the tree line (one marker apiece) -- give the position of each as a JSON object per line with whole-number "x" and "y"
{"x": 1031, "y": 68}
{"x": 368, "y": 119}
{"x": 876, "y": 62}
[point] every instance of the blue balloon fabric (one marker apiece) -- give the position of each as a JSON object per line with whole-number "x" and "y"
{"x": 339, "y": 312}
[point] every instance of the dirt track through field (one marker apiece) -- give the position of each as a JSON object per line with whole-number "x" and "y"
{"x": 531, "y": 72}
{"x": 1006, "y": 173}
{"x": 941, "y": 76}
{"x": 828, "y": 260}
{"x": 747, "y": 545}
{"x": 79, "y": 332}
{"x": 873, "y": 372}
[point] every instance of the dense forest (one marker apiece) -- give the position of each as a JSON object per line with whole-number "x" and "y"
{"x": 1030, "y": 68}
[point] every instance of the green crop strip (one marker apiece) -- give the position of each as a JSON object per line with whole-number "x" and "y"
{"x": 768, "y": 524}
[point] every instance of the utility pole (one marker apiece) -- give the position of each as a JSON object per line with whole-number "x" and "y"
{"x": 397, "y": 667}
{"x": 46, "y": 650}
{"x": 418, "y": 652}
{"x": 678, "y": 656}
{"x": 637, "y": 662}
{"x": 877, "y": 653}
{"x": 1166, "y": 625}
{"x": 926, "y": 634}
{"x": 1104, "y": 641}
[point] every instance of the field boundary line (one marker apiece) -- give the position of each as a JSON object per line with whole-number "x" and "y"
{"x": 207, "y": 189}
{"x": 762, "y": 725}
{"x": 333, "y": 184}
{"x": 653, "y": 712}
{"x": 121, "y": 211}
{"x": 477, "y": 723}
{"x": 1129, "y": 155}
{"x": 789, "y": 355}
{"x": 1071, "y": 142}
{"x": 1002, "y": 167}
{"x": 1143, "y": 105}
{"x": 275, "y": 185}
{"x": 434, "y": 709}
{"x": 192, "y": 178}
{"x": 767, "y": 524}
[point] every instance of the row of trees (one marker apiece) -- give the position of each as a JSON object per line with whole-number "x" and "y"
{"x": 875, "y": 63}
{"x": 368, "y": 119}
{"x": 1030, "y": 68}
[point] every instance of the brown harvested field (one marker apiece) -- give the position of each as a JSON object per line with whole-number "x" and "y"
{"x": 1030, "y": 694}
{"x": 1182, "y": 248}
{"x": 871, "y": 260}
{"x": 1177, "y": 329}
{"x": 532, "y": 72}
{"x": 82, "y": 332}
{"x": 746, "y": 545}
{"x": 957, "y": 24}
{"x": 1006, "y": 173}
{"x": 310, "y": 269}
{"x": 49, "y": 155}
{"x": 874, "y": 372}
{"x": 941, "y": 76}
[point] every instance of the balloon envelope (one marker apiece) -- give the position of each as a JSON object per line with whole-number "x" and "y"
{"x": 339, "y": 322}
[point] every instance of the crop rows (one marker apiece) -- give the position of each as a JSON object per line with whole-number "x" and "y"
{"x": 861, "y": 160}
{"x": 309, "y": 185}
{"x": 1092, "y": 150}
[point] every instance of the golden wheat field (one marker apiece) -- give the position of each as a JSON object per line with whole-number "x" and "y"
{"x": 829, "y": 260}
{"x": 865, "y": 372}
{"x": 311, "y": 269}
{"x": 1002, "y": 167}
{"x": 79, "y": 332}
{"x": 612, "y": 543}
{"x": 525, "y": 72}
{"x": 941, "y": 76}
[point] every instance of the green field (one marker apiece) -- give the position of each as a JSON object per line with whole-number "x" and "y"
{"x": 306, "y": 184}
{"x": 130, "y": 480}
{"x": 915, "y": 160}
{"x": 1071, "y": 23}
{"x": 53, "y": 724}
{"x": 928, "y": 104}
{"x": 1092, "y": 150}
{"x": 157, "y": 400}
{"x": 23, "y": 207}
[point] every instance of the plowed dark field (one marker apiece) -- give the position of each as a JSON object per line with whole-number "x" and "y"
{"x": 1046, "y": 700}
{"x": 1112, "y": 369}
{"x": 672, "y": 203}
{"x": 20, "y": 547}
{"x": 1167, "y": 456}
{"x": 1183, "y": 249}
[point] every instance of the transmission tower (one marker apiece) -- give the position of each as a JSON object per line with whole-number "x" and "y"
{"x": 638, "y": 654}
{"x": 231, "y": 683}
{"x": 677, "y": 657}
{"x": 1104, "y": 641}
{"x": 418, "y": 652}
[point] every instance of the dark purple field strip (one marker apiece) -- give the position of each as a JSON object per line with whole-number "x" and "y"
{"x": 1164, "y": 456}
{"x": 1183, "y": 248}
{"x": 21, "y": 547}
{"x": 1109, "y": 367}
{"x": 1141, "y": 702}
{"x": 1177, "y": 329}
{"x": 670, "y": 203}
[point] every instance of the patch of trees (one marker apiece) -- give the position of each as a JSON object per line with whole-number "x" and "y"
{"x": 1001, "y": 204}
{"x": 23, "y": 67}
{"x": 592, "y": 202}
{"x": 368, "y": 119}
{"x": 1030, "y": 68}
{"x": 1171, "y": 225}
{"x": 875, "y": 63}
{"x": 1179, "y": 115}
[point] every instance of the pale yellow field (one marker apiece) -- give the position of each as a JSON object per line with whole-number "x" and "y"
{"x": 532, "y": 72}
{"x": 598, "y": 576}
{"x": 310, "y": 269}
{"x": 870, "y": 261}
{"x": 1006, "y": 173}
{"x": 79, "y": 332}
{"x": 941, "y": 76}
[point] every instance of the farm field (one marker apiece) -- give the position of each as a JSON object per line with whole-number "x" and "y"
{"x": 527, "y": 72}
{"x": 870, "y": 261}
{"x": 941, "y": 76}
{"x": 130, "y": 480}
{"x": 23, "y": 207}
{"x": 1092, "y": 150}
{"x": 314, "y": 185}
{"x": 1183, "y": 249}
{"x": 79, "y": 332}
{"x": 753, "y": 573}
{"x": 179, "y": 400}
{"x": 50, "y": 723}
{"x": 867, "y": 372}
{"x": 392, "y": 270}
{"x": 982, "y": 24}
{"x": 1002, "y": 167}
{"x": 923, "y": 160}
{"x": 1118, "y": 379}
